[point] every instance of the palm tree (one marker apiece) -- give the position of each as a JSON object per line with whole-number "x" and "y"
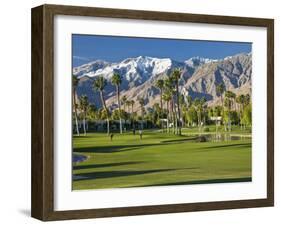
{"x": 84, "y": 105}
{"x": 182, "y": 107}
{"x": 176, "y": 77}
{"x": 197, "y": 105}
{"x": 247, "y": 99}
{"x": 189, "y": 100}
{"x": 75, "y": 82}
{"x": 132, "y": 102}
{"x": 167, "y": 96}
{"x": 160, "y": 86}
{"x": 117, "y": 80}
{"x": 92, "y": 112}
{"x": 169, "y": 89}
{"x": 230, "y": 96}
{"x": 216, "y": 112}
{"x": 123, "y": 100}
{"x": 126, "y": 114}
{"x": 220, "y": 88}
{"x": 241, "y": 101}
{"x": 203, "y": 107}
{"x": 99, "y": 85}
{"x": 128, "y": 104}
{"x": 141, "y": 103}
{"x": 189, "y": 104}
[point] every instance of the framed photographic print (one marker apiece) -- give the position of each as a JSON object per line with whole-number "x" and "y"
{"x": 141, "y": 112}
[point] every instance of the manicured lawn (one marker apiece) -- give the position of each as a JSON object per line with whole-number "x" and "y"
{"x": 158, "y": 159}
{"x": 212, "y": 129}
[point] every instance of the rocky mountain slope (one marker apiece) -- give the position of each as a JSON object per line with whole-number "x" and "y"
{"x": 199, "y": 77}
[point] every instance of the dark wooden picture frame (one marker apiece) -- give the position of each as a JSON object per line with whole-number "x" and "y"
{"x": 43, "y": 112}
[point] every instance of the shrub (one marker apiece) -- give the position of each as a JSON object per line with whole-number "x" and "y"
{"x": 201, "y": 139}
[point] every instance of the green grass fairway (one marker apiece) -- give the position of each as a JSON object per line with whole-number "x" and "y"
{"x": 158, "y": 159}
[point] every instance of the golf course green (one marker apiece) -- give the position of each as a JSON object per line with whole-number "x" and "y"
{"x": 158, "y": 159}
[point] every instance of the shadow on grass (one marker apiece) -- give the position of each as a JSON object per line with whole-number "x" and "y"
{"x": 94, "y": 166}
{"x": 111, "y": 174}
{"x": 130, "y": 147}
{"x": 210, "y": 181}
{"x": 214, "y": 148}
{"x": 179, "y": 140}
{"x": 114, "y": 148}
{"x": 123, "y": 148}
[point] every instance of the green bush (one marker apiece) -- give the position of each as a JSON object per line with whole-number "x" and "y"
{"x": 206, "y": 129}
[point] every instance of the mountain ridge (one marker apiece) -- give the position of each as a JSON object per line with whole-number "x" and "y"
{"x": 199, "y": 76}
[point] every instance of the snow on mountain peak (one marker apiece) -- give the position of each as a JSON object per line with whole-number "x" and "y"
{"x": 132, "y": 69}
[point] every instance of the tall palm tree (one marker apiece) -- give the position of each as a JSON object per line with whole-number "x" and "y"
{"x": 182, "y": 106}
{"x": 169, "y": 89}
{"x": 84, "y": 105}
{"x": 198, "y": 107}
{"x": 241, "y": 101}
{"x": 123, "y": 100}
{"x": 128, "y": 104}
{"x": 189, "y": 104}
{"x": 167, "y": 96}
{"x": 203, "y": 107}
{"x": 117, "y": 80}
{"x": 99, "y": 85}
{"x": 75, "y": 82}
{"x": 230, "y": 96}
{"x": 176, "y": 75}
{"x": 247, "y": 99}
{"x": 220, "y": 88}
{"x": 189, "y": 100}
{"x": 216, "y": 112}
{"x": 141, "y": 103}
{"x": 160, "y": 86}
{"x": 132, "y": 102}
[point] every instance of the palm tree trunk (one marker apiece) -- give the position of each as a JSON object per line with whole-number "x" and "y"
{"x": 168, "y": 128}
{"x": 243, "y": 124}
{"x": 107, "y": 122}
{"x": 119, "y": 108}
{"x": 176, "y": 120}
{"x": 75, "y": 112}
{"x": 199, "y": 121}
{"x": 84, "y": 123}
{"x": 216, "y": 126}
{"x": 179, "y": 114}
{"x": 161, "y": 106}
{"x": 132, "y": 117}
{"x": 141, "y": 118}
{"x": 229, "y": 122}
{"x": 173, "y": 115}
{"x": 240, "y": 118}
{"x": 105, "y": 108}
{"x": 161, "y": 100}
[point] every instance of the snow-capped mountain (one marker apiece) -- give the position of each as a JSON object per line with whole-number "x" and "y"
{"x": 139, "y": 74}
{"x": 136, "y": 70}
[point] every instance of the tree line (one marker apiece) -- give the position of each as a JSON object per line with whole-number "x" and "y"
{"x": 173, "y": 111}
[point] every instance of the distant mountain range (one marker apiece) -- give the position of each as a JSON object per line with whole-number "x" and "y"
{"x": 139, "y": 75}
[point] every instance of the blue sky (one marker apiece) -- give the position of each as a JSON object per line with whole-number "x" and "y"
{"x": 86, "y": 48}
